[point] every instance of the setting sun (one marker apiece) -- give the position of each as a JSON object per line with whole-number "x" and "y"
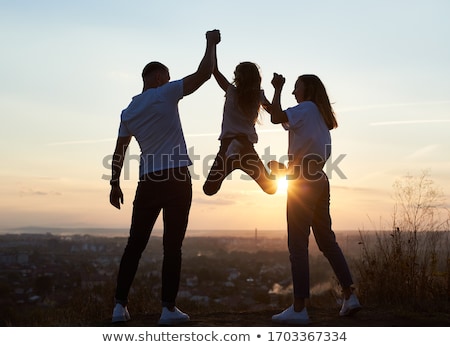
{"x": 282, "y": 185}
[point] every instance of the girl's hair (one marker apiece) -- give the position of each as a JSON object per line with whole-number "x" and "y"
{"x": 248, "y": 89}
{"x": 315, "y": 91}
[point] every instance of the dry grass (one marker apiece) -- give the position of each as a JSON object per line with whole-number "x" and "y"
{"x": 406, "y": 269}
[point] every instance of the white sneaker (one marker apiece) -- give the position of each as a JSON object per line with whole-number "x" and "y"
{"x": 234, "y": 148}
{"x": 289, "y": 316}
{"x": 350, "y": 306}
{"x": 172, "y": 317}
{"x": 120, "y": 314}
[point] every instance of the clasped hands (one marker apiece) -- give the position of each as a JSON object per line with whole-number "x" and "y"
{"x": 278, "y": 81}
{"x": 213, "y": 36}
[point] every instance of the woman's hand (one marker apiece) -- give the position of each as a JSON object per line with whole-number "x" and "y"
{"x": 278, "y": 81}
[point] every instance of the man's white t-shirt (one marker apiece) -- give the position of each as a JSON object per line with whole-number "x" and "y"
{"x": 153, "y": 119}
{"x": 309, "y": 135}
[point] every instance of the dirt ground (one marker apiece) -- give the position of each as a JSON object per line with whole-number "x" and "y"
{"x": 368, "y": 317}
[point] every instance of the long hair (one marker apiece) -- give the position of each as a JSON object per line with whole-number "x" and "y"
{"x": 248, "y": 89}
{"x": 315, "y": 91}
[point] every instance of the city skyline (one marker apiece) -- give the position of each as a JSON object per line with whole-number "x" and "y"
{"x": 68, "y": 69}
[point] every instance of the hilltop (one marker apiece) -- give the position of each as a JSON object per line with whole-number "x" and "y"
{"x": 368, "y": 317}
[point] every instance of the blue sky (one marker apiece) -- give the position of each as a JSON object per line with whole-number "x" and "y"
{"x": 68, "y": 69}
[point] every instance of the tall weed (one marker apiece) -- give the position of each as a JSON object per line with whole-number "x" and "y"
{"x": 409, "y": 266}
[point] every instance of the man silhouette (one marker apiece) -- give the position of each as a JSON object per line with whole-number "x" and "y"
{"x": 153, "y": 119}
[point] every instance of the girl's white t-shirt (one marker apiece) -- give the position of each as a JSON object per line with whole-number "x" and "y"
{"x": 234, "y": 121}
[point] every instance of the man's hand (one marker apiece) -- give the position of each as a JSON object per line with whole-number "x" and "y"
{"x": 213, "y": 36}
{"x": 278, "y": 81}
{"x": 116, "y": 196}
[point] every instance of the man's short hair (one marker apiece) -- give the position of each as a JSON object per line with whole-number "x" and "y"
{"x": 153, "y": 66}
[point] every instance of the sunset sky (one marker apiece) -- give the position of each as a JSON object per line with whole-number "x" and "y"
{"x": 69, "y": 68}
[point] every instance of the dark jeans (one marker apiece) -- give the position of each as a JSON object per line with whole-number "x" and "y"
{"x": 170, "y": 191}
{"x": 247, "y": 160}
{"x": 308, "y": 205}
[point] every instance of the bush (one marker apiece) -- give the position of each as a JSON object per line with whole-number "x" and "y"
{"x": 409, "y": 267}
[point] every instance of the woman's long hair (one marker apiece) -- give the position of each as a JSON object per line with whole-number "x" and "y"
{"x": 315, "y": 91}
{"x": 248, "y": 89}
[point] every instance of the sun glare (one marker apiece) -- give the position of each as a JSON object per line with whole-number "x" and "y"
{"x": 282, "y": 185}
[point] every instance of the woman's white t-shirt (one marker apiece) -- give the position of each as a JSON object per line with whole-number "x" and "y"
{"x": 309, "y": 135}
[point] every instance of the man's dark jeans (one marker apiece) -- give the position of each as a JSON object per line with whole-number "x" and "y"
{"x": 169, "y": 191}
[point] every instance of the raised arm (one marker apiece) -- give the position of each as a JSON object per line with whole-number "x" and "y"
{"x": 277, "y": 115}
{"x": 116, "y": 195}
{"x": 265, "y": 103}
{"x": 192, "y": 82}
{"x": 221, "y": 79}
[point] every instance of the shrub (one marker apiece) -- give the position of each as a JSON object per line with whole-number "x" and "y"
{"x": 409, "y": 266}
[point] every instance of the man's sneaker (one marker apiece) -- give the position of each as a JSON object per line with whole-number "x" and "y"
{"x": 172, "y": 317}
{"x": 350, "y": 306}
{"x": 120, "y": 314}
{"x": 289, "y": 316}
{"x": 234, "y": 148}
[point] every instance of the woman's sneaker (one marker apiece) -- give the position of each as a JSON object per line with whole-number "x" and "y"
{"x": 277, "y": 168}
{"x": 120, "y": 314}
{"x": 289, "y": 316}
{"x": 172, "y": 317}
{"x": 350, "y": 306}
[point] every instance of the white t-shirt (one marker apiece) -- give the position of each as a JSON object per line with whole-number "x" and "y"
{"x": 153, "y": 119}
{"x": 308, "y": 132}
{"x": 235, "y": 122}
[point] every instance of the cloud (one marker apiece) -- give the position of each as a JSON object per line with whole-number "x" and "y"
{"x": 393, "y": 105}
{"x": 364, "y": 190}
{"x": 90, "y": 141}
{"x": 423, "y": 152}
{"x": 79, "y": 142}
{"x": 214, "y": 201}
{"x": 33, "y": 192}
{"x": 405, "y": 122}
